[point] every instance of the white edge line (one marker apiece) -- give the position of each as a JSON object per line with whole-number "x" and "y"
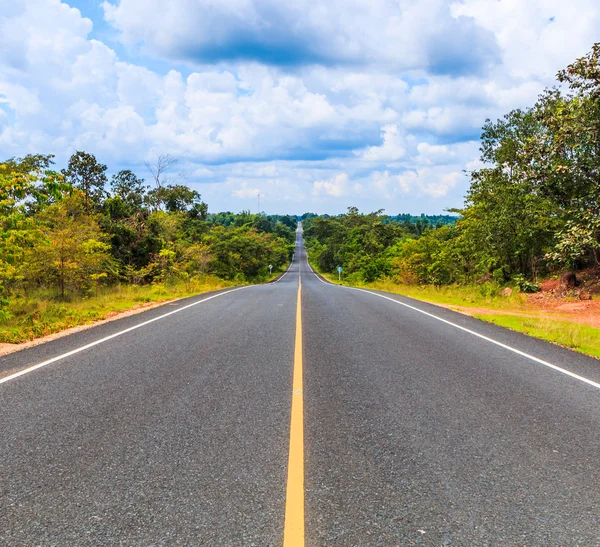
{"x": 316, "y": 274}
{"x": 102, "y": 340}
{"x": 288, "y": 269}
{"x": 486, "y": 338}
{"x": 284, "y": 273}
{"x": 326, "y": 282}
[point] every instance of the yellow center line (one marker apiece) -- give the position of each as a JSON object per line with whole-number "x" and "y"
{"x": 293, "y": 534}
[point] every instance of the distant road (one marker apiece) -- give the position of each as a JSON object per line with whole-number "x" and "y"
{"x": 413, "y": 425}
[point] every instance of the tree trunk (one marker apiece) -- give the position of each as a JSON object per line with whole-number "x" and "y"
{"x": 62, "y": 279}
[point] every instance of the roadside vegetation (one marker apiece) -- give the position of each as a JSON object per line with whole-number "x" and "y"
{"x": 531, "y": 217}
{"x": 33, "y": 316}
{"x": 75, "y": 246}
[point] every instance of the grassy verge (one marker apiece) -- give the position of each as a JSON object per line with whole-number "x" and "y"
{"x": 272, "y": 277}
{"x": 581, "y": 338}
{"x": 34, "y": 315}
{"x": 484, "y": 296}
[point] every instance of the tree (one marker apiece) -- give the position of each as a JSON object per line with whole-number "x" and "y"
{"x": 129, "y": 188}
{"x": 17, "y": 232}
{"x": 425, "y": 260}
{"x": 197, "y": 258}
{"x": 583, "y": 75}
{"x": 73, "y": 254}
{"x": 158, "y": 170}
{"x": 244, "y": 253}
{"x": 84, "y": 172}
{"x": 574, "y": 154}
{"x": 182, "y": 199}
{"x": 25, "y": 190}
{"x": 164, "y": 162}
{"x": 511, "y": 221}
{"x": 31, "y": 163}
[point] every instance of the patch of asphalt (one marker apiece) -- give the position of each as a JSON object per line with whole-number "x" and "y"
{"x": 175, "y": 434}
{"x": 584, "y": 365}
{"x": 416, "y": 433}
{"x": 47, "y": 347}
{"x": 420, "y": 434}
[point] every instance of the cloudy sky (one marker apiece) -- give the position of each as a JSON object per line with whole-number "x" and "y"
{"x": 315, "y": 104}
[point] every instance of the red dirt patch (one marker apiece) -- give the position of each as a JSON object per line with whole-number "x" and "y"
{"x": 571, "y": 307}
{"x": 550, "y": 285}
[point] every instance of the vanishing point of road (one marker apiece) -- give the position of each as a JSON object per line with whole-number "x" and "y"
{"x": 299, "y": 413}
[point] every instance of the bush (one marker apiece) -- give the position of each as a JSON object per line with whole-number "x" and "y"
{"x": 525, "y": 285}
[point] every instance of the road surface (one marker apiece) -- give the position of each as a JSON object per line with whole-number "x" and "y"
{"x": 413, "y": 425}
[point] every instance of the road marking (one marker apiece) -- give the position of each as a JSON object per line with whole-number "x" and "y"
{"x": 487, "y": 339}
{"x": 319, "y": 277}
{"x": 327, "y": 282}
{"x": 284, "y": 273}
{"x": 464, "y": 329}
{"x": 293, "y": 533}
{"x": 106, "y": 339}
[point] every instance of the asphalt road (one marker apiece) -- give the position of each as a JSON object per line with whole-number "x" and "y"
{"x": 419, "y": 428}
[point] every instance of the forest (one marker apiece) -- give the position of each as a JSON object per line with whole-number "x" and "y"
{"x": 532, "y": 210}
{"x": 73, "y": 234}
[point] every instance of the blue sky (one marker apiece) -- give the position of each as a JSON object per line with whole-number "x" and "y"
{"x": 317, "y": 105}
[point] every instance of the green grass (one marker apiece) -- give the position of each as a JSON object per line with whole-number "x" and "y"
{"x": 581, "y": 338}
{"x": 30, "y": 316}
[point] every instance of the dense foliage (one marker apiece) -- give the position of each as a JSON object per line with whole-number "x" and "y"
{"x": 533, "y": 208}
{"x": 73, "y": 231}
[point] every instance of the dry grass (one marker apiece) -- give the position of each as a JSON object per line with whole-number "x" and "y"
{"x": 34, "y": 315}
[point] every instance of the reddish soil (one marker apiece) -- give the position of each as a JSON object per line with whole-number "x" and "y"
{"x": 582, "y": 312}
{"x": 577, "y": 305}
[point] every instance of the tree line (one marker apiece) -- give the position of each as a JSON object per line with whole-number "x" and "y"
{"x": 532, "y": 209}
{"x": 74, "y": 231}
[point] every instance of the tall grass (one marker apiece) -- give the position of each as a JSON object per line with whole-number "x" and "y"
{"x": 486, "y": 295}
{"x": 31, "y": 315}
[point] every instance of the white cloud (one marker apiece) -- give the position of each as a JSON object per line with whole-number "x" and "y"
{"x": 392, "y": 148}
{"x": 336, "y": 186}
{"x": 19, "y": 98}
{"x": 431, "y": 182}
{"x": 245, "y": 192}
{"x": 405, "y": 34}
{"x": 445, "y": 154}
{"x": 380, "y": 104}
{"x": 538, "y": 36}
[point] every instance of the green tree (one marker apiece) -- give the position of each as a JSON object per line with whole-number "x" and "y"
{"x": 73, "y": 254}
{"x": 84, "y": 172}
{"x": 129, "y": 188}
{"x": 245, "y": 254}
{"x": 181, "y": 199}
